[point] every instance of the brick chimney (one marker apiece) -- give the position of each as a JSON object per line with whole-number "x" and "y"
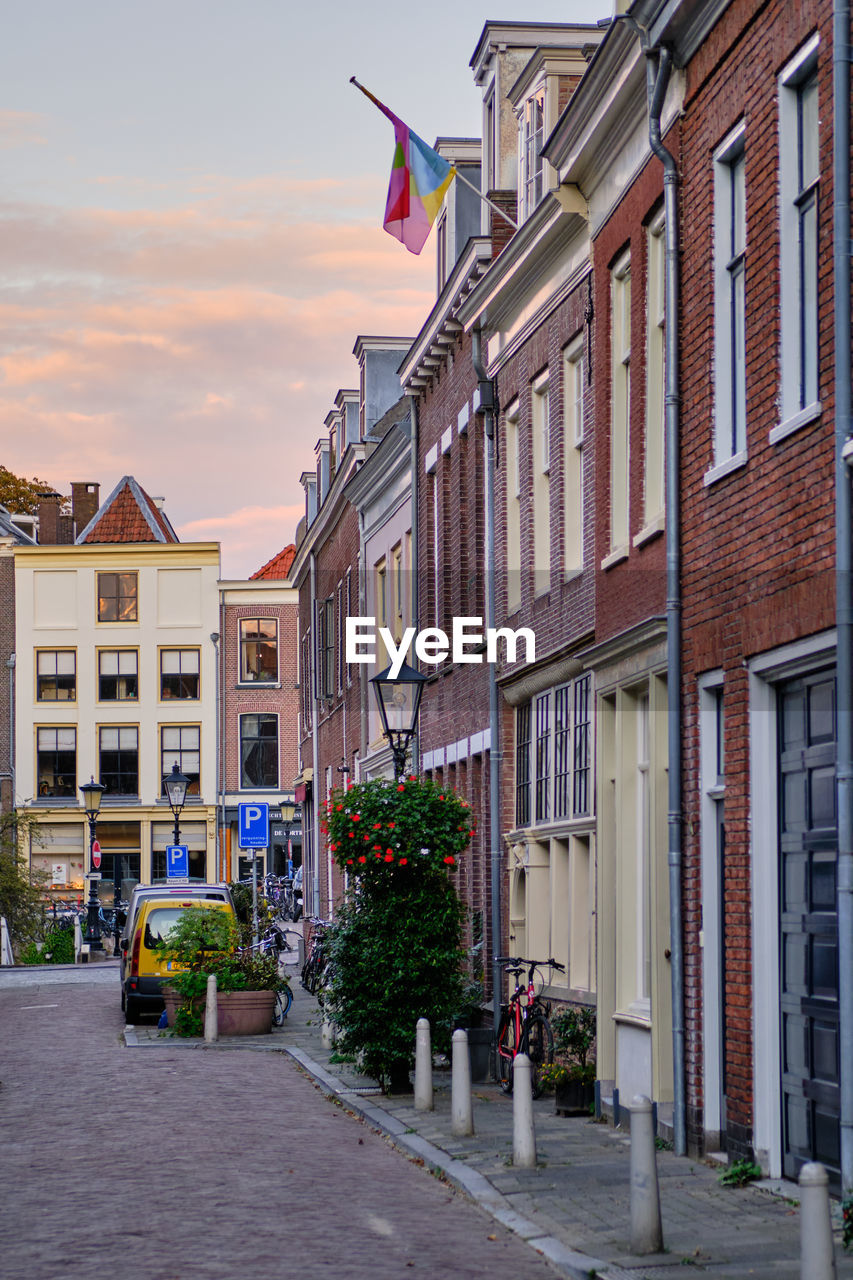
{"x": 85, "y": 501}
{"x": 500, "y": 229}
{"x": 48, "y": 516}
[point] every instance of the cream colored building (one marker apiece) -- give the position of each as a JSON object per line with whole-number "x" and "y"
{"x": 116, "y": 680}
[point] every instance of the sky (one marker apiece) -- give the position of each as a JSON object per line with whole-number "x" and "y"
{"x": 191, "y": 200}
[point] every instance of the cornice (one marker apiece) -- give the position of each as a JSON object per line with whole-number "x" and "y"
{"x": 388, "y": 460}
{"x": 47, "y": 554}
{"x": 330, "y": 511}
{"x": 429, "y": 349}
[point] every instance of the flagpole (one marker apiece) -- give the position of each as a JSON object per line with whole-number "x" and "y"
{"x": 477, "y": 192}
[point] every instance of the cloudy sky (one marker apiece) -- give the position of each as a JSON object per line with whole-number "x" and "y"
{"x": 191, "y": 201}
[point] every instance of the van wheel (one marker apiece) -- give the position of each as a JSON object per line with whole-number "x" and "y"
{"x": 131, "y": 1010}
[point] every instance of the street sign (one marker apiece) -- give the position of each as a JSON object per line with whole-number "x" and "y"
{"x": 96, "y": 854}
{"x": 254, "y": 826}
{"x": 177, "y": 861}
{"x": 94, "y": 875}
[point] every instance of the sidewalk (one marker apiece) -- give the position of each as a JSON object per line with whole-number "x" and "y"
{"x": 574, "y": 1206}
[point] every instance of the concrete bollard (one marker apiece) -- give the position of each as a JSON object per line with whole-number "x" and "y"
{"x": 646, "y": 1230}
{"x": 328, "y": 1034}
{"x": 817, "y": 1254}
{"x": 523, "y": 1131}
{"x": 423, "y": 1067}
{"x": 211, "y": 1011}
{"x": 462, "y": 1118}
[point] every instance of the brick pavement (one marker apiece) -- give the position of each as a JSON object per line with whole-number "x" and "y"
{"x": 171, "y": 1164}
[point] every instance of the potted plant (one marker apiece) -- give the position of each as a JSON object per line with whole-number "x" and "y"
{"x": 572, "y": 1073}
{"x": 203, "y": 942}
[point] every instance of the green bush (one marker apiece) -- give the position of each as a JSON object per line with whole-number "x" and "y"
{"x": 740, "y": 1173}
{"x": 395, "y": 949}
{"x": 57, "y": 948}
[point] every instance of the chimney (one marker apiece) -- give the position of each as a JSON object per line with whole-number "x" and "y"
{"x": 48, "y": 513}
{"x": 85, "y": 501}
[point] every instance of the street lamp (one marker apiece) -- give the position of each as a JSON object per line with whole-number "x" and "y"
{"x": 399, "y": 699}
{"x": 176, "y": 784}
{"x": 92, "y": 792}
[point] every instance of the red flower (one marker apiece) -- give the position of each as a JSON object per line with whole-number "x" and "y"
{"x": 403, "y": 862}
{"x": 401, "y": 786}
{"x": 349, "y": 862}
{"x": 356, "y": 817}
{"x": 377, "y": 847}
{"x": 362, "y": 858}
{"x": 441, "y": 797}
{"x": 339, "y": 807}
{"x": 377, "y": 826}
{"x": 450, "y": 860}
{"x": 411, "y": 777}
{"x": 351, "y": 835}
{"x": 389, "y": 857}
{"x": 391, "y": 826}
{"x": 378, "y": 855}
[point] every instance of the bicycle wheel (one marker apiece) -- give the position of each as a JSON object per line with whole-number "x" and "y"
{"x": 539, "y": 1046}
{"x": 506, "y": 1051}
{"x": 283, "y": 1001}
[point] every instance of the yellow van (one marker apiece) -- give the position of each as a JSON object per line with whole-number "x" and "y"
{"x": 146, "y": 971}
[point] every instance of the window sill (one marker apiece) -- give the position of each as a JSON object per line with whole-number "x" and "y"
{"x": 616, "y": 557}
{"x": 56, "y": 802}
{"x": 651, "y": 530}
{"x": 637, "y": 1014}
{"x": 256, "y": 684}
{"x": 723, "y": 469}
{"x": 790, "y": 425}
{"x": 116, "y": 802}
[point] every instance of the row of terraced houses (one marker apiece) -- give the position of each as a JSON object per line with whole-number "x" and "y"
{"x": 622, "y": 426}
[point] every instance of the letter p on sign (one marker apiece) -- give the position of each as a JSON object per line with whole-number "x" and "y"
{"x": 254, "y": 826}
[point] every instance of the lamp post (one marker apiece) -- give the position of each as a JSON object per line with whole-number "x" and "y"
{"x": 176, "y": 784}
{"x": 92, "y": 792}
{"x": 399, "y": 699}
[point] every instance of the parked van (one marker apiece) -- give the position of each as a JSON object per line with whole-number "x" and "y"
{"x": 146, "y": 970}
{"x": 146, "y": 892}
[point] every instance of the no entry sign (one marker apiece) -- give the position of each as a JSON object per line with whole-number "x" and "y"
{"x": 96, "y": 854}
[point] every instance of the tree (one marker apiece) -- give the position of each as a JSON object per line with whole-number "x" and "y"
{"x": 21, "y": 496}
{"x": 20, "y": 892}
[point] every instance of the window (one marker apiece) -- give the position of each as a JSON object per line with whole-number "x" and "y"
{"x": 325, "y": 668}
{"x": 258, "y": 751}
{"x": 573, "y": 409}
{"x": 339, "y": 637}
{"x": 730, "y": 300}
{"x": 532, "y": 132}
{"x": 349, "y": 614}
{"x": 179, "y": 673}
{"x": 306, "y": 683}
{"x": 397, "y": 591}
{"x": 561, "y": 754}
{"x": 119, "y": 760}
{"x": 181, "y": 745}
{"x": 655, "y": 373}
{"x": 620, "y": 404}
{"x": 799, "y": 174}
{"x": 258, "y": 649}
{"x": 118, "y": 675}
{"x": 513, "y": 509}
{"x": 117, "y": 597}
{"x": 56, "y": 675}
{"x": 56, "y": 763}
{"x": 541, "y": 441}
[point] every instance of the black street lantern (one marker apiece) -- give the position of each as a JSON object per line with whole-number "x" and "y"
{"x": 92, "y": 792}
{"x": 176, "y": 784}
{"x": 399, "y": 699}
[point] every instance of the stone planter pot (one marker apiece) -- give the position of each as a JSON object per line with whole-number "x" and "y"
{"x": 480, "y": 1052}
{"x": 239, "y": 1013}
{"x": 574, "y": 1098}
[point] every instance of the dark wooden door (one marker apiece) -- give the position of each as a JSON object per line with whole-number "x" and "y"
{"x": 808, "y": 922}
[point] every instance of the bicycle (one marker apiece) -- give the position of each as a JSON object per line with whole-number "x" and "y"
{"x": 315, "y": 961}
{"x": 274, "y": 943}
{"x": 524, "y": 1025}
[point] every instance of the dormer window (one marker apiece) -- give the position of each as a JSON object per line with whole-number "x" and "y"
{"x": 531, "y": 139}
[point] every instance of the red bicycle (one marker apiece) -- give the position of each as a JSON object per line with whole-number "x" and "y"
{"x": 524, "y": 1025}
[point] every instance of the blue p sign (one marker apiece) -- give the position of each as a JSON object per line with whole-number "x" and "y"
{"x": 177, "y": 861}
{"x": 254, "y": 826}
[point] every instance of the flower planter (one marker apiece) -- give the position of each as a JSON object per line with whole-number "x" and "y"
{"x": 239, "y": 1013}
{"x": 574, "y": 1098}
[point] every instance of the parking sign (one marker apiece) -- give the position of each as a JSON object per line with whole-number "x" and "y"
{"x": 177, "y": 861}
{"x": 254, "y": 826}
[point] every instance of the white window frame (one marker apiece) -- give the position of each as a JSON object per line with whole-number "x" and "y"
{"x": 730, "y": 230}
{"x": 540, "y": 440}
{"x": 531, "y": 135}
{"x": 620, "y": 417}
{"x": 513, "y": 506}
{"x": 574, "y": 403}
{"x": 653, "y": 486}
{"x": 799, "y": 338}
{"x": 542, "y": 714}
{"x": 272, "y": 786}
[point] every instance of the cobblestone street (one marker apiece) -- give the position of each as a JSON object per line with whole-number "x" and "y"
{"x": 169, "y": 1165}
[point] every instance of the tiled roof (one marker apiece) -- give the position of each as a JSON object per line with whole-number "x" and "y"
{"x": 279, "y": 566}
{"x": 128, "y": 515}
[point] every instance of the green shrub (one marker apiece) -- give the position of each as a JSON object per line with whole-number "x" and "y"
{"x": 740, "y": 1173}
{"x": 847, "y": 1222}
{"x": 57, "y": 948}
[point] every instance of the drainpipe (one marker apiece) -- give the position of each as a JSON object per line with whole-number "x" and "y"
{"x": 843, "y": 566}
{"x": 215, "y": 636}
{"x": 10, "y": 663}
{"x": 414, "y": 580}
{"x": 315, "y": 752}
{"x": 658, "y": 68}
{"x": 487, "y": 405}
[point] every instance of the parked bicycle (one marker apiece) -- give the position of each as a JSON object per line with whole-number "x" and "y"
{"x": 315, "y": 962}
{"x": 524, "y": 1025}
{"x": 274, "y": 943}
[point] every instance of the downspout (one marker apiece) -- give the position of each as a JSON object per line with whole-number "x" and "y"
{"x": 414, "y": 581}
{"x": 487, "y": 405}
{"x": 841, "y": 248}
{"x": 10, "y": 663}
{"x": 658, "y": 68}
{"x": 215, "y": 637}
{"x": 315, "y": 751}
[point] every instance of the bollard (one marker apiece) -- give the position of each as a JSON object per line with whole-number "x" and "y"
{"x": 211, "y": 1011}
{"x": 646, "y": 1231}
{"x": 423, "y": 1067}
{"x": 462, "y": 1119}
{"x": 817, "y": 1254}
{"x": 328, "y": 1034}
{"x": 523, "y": 1131}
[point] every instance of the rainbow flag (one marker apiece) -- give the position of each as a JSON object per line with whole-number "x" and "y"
{"x": 419, "y": 179}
